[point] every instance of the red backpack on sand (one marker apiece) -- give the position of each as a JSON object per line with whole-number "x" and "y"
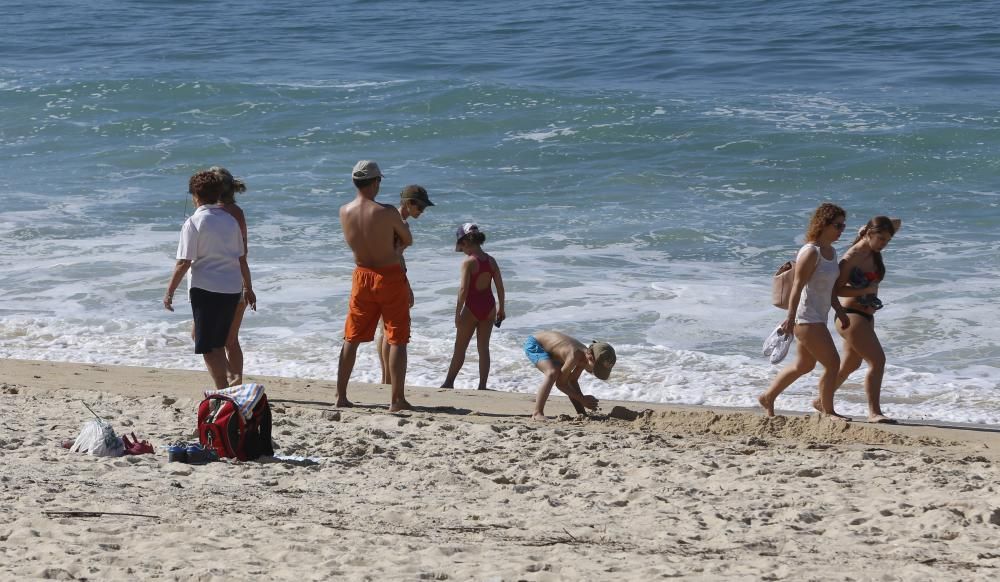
{"x": 223, "y": 429}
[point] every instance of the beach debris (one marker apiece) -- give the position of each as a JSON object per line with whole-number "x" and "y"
{"x": 292, "y": 460}
{"x": 95, "y": 514}
{"x": 622, "y": 413}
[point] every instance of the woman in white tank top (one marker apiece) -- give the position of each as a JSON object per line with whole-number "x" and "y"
{"x": 816, "y": 276}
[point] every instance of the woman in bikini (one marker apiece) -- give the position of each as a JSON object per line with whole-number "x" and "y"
{"x": 813, "y": 293}
{"x": 861, "y": 272}
{"x": 234, "y": 352}
{"x": 477, "y": 310}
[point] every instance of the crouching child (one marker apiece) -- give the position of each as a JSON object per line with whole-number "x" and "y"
{"x": 562, "y": 359}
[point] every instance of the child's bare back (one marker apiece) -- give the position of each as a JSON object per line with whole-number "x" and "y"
{"x": 561, "y": 347}
{"x": 562, "y": 359}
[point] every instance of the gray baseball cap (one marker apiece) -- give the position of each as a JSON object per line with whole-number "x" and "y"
{"x": 366, "y": 170}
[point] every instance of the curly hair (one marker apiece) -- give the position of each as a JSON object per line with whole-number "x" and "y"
{"x": 207, "y": 186}
{"x": 233, "y": 185}
{"x": 821, "y": 218}
{"x": 877, "y": 224}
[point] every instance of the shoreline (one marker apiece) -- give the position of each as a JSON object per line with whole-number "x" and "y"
{"x": 468, "y": 487}
{"x": 140, "y": 381}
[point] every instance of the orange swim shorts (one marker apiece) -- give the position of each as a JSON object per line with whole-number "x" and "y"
{"x": 383, "y": 292}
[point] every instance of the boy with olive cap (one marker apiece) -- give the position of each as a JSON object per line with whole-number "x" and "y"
{"x": 562, "y": 359}
{"x": 413, "y": 200}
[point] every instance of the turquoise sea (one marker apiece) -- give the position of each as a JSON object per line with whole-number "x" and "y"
{"x": 640, "y": 168}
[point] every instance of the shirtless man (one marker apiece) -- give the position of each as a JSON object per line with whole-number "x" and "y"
{"x": 375, "y": 234}
{"x": 562, "y": 360}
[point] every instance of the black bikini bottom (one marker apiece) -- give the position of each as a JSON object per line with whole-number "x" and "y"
{"x": 867, "y": 316}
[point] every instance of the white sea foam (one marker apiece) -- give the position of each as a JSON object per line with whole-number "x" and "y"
{"x": 686, "y": 332}
{"x": 541, "y": 135}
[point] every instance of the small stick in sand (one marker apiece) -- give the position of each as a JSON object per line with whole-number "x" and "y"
{"x": 92, "y": 411}
{"x": 94, "y": 514}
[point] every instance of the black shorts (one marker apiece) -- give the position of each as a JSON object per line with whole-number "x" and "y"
{"x": 213, "y": 316}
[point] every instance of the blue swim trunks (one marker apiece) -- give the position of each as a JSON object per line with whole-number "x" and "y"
{"x": 534, "y": 350}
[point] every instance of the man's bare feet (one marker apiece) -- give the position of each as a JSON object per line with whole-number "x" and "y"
{"x": 767, "y": 405}
{"x": 400, "y": 405}
{"x": 818, "y": 405}
{"x": 344, "y": 403}
{"x": 881, "y": 419}
{"x": 447, "y": 385}
{"x": 539, "y": 417}
{"x": 837, "y": 416}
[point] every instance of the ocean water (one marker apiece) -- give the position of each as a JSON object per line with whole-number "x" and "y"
{"x": 640, "y": 168}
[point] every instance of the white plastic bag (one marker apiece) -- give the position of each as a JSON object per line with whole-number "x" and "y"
{"x": 98, "y": 439}
{"x": 776, "y": 345}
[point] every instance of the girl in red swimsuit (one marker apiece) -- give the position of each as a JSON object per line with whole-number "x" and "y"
{"x": 477, "y": 311}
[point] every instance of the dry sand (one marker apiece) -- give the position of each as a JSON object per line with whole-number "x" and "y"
{"x": 469, "y": 488}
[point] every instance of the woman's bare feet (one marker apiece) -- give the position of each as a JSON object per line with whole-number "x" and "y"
{"x": 539, "y": 417}
{"x": 400, "y": 405}
{"x": 819, "y": 408}
{"x": 766, "y": 403}
{"x": 448, "y": 385}
{"x": 881, "y": 419}
{"x": 344, "y": 403}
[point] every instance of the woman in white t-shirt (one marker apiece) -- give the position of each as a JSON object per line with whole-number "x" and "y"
{"x": 813, "y": 293}
{"x": 211, "y": 248}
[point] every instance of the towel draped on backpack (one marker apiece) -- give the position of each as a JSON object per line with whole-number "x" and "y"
{"x": 236, "y": 422}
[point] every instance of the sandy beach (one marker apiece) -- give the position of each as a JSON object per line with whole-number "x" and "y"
{"x": 469, "y": 488}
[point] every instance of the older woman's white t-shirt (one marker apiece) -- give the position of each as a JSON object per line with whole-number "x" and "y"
{"x": 212, "y": 240}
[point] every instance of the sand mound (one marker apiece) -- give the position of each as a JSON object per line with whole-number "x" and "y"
{"x": 812, "y": 428}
